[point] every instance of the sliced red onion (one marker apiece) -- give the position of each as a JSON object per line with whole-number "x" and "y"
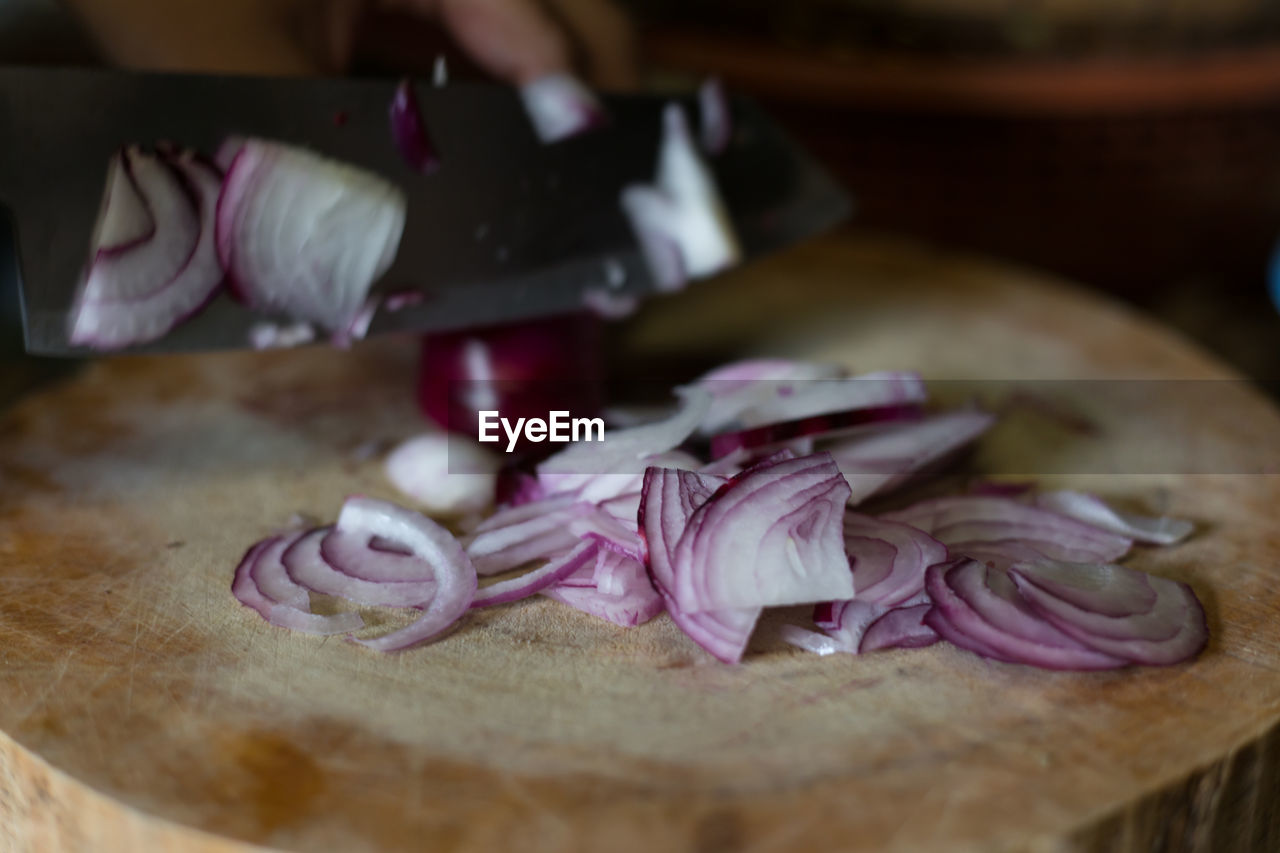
{"x": 631, "y": 601}
{"x": 306, "y": 235}
{"x": 272, "y": 579}
{"x": 742, "y": 385}
{"x": 717, "y": 120}
{"x": 532, "y": 531}
{"x": 360, "y": 556}
{"x": 124, "y": 218}
{"x": 910, "y": 551}
{"x": 409, "y": 130}
{"x": 227, "y": 151}
{"x": 670, "y": 497}
{"x": 792, "y": 401}
{"x": 1173, "y": 630}
{"x": 900, "y": 628}
{"x": 446, "y": 474}
{"x": 980, "y": 610}
{"x": 559, "y": 106}
{"x": 972, "y": 518}
{"x": 878, "y": 462}
{"x": 536, "y": 580}
{"x": 306, "y": 565}
{"x": 999, "y": 553}
{"x": 801, "y": 433}
{"x": 280, "y": 335}
{"x": 248, "y": 593}
{"x": 679, "y": 220}
{"x": 402, "y": 299}
{"x": 811, "y": 641}
{"x": 454, "y": 575}
{"x": 609, "y": 305}
{"x": 139, "y": 291}
{"x": 625, "y": 451}
{"x": 1094, "y": 511}
{"x": 771, "y": 537}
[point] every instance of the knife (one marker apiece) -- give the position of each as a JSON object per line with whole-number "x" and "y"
{"x": 507, "y": 229}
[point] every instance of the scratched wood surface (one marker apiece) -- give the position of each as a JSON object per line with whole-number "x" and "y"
{"x": 142, "y": 708}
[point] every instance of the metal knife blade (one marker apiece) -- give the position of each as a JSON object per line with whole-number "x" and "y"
{"x": 507, "y": 229}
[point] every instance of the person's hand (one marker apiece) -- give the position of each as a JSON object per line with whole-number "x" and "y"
{"x": 514, "y": 40}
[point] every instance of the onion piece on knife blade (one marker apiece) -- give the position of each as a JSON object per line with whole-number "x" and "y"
{"x": 409, "y": 130}
{"x": 680, "y": 221}
{"x": 305, "y": 235}
{"x": 559, "y": 106}
{"x": 141, "y": 284}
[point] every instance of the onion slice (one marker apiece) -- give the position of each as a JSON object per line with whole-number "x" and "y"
{"x": 683, "y": 227}
{"x": 900, "y": 628}
{"x": 910, "y": 551}
{"x": 262, "y": 559}
{"x": 454, "y": 575}
{"x": 140, "y": 284}
{"x": 978, "y": 518}
{"x": 670, "y": 497}
{"x": 770, "y": 537}
{"x": 1171, "y": 631}
{"x": 409, "y": 129}
{"x": 1092, "y": 510}
{"x": 616, "y": 589}
{"x": 717, "y": 119}
{"x": 533, "y": 582}
{"x": 307, "y": 566}
{"x": 559, "y": 106}
{"x": 305, "y": 235}
{"x": 447, "y": 474}
{"x": 979, "y": 609}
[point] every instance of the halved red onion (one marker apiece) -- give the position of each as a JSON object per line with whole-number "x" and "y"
{"x": 141, "y": 285}
{"x": 306, "y": 235}
{"x": 1172, "y": 630}
{"x": 980, "y": 610}
{"x": 1092, "y": 510}
{"x": 409, "y": 130}
{"x": 536, "y": 580}
{"x": 900, "y": 628}
{"x": 248, "y": 593}
{"x": 717, "y": 119}
{"x": 670, "y": 497}
{"x": 888, "y": 558}
{"x": 447, "y": 474}
{"x": 454, "y": 575}
{"x": 559, "y": 106}
{"x": 306, "y": 565}
{"x": 876, "y": 462}
{"x": 974, "y": 518}
{"x": 679, "y": 220}
{"x": 627, "y": 597}
{"x": 770, "y": 537}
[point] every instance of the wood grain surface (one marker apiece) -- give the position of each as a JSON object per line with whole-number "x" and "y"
{"x": 141, "y": 708}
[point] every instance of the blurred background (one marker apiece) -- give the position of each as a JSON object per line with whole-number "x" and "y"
{"x": 1130, "y": 145}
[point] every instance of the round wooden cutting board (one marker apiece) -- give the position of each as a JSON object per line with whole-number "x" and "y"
{"x": 142, "y": 708}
